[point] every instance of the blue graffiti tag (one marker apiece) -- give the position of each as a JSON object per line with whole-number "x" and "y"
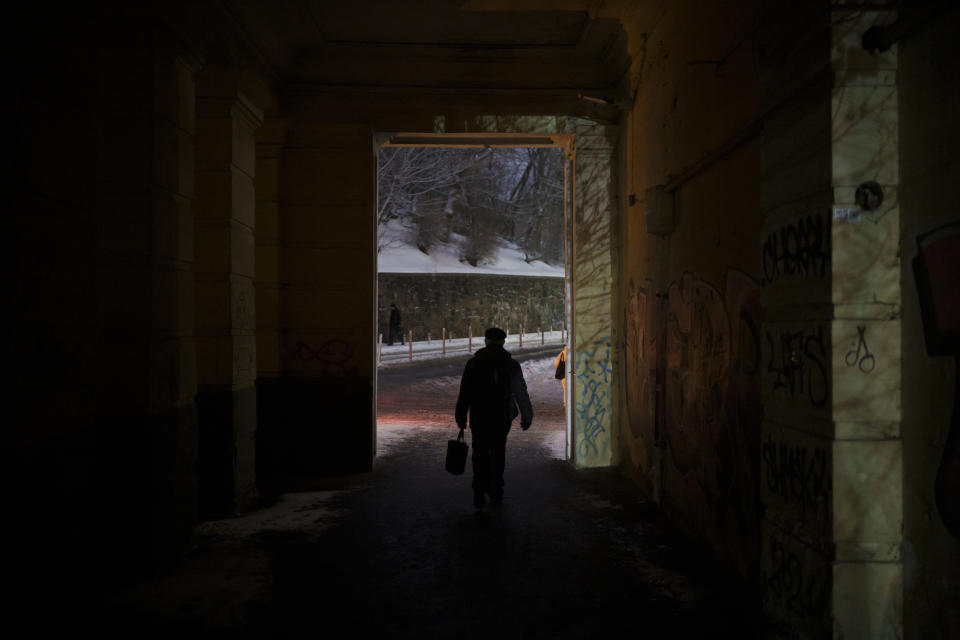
{"x": 592, "y": 408}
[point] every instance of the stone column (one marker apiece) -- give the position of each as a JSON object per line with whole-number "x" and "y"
{"x": 592, "y": 354}
{"x": 270, "y": 404}
{"x": 325, "y": 423}
{"x": 867, "y": 495}
{"x": 270, "y": 139}
{"x": 268, "y": 286}
{"x": 830, "y": 450}
{"x": 227, "y": 122}
{"x": 147, "y": 444}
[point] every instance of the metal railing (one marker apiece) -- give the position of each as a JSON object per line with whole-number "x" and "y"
{"x": 448, "y": 345}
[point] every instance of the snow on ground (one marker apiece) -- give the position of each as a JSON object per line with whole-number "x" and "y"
{"x": 399, "y": 256}
{"x": 391, "y": 435}
{"x": 424, "y": 350}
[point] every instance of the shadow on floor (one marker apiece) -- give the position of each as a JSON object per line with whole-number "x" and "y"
{"x": 402, "y": 552}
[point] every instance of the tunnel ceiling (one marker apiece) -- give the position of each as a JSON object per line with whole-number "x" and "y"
{"x": 436, "y": 45}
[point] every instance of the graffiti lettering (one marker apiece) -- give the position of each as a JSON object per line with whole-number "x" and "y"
{"x": 796, "y": 362}
{"x": 694, "y": 367}
{"x": 333, "y": 356}
{"x": 697, "y": 360}
{"x": 804, "y": 591}
{"x": 798, "y": 475}
{"x": 866, "y": 362}
{"x": 640, "y": 362}
{"x": 240, "y": 309}
{"x": 800, "y": 248}
{"x": 593, "y": 380}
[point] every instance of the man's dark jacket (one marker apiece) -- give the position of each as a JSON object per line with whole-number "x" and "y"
{"x": 491, "y": 389}
{"x": 394, "y": 318}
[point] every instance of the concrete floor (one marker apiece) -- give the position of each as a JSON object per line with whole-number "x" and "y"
{"x": 401, "y": 552}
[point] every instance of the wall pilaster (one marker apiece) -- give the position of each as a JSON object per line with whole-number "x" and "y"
{"x": 144, "y": 257}
{"x": 227, "y": 122}
{"x": 830, "y": 451}
{"x": 867, "y": 474}
{"x": 320, "y": 408}
{"x": 270, "y": 140}
{"x": 593, "y": 356}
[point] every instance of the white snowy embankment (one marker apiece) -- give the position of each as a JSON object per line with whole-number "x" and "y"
{"x": 398, "y": 256}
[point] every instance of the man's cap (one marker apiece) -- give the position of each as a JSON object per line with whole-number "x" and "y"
{"x": 493, "y": 333}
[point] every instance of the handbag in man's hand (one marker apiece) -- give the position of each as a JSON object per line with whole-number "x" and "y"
{"x": 457, "y": 455}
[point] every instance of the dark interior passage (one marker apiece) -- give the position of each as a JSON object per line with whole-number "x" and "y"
{"x": 761, "y": 254}
{"x": 402, "y": 552}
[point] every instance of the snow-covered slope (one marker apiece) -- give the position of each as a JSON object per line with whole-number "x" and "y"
{"x": 397, "y": 256}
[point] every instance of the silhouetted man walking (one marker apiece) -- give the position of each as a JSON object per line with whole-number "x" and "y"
{"x": 395, "y": 330}
{"x": 491, "y": 388}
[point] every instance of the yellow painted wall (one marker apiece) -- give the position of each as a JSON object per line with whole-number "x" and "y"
{"x": 693, "y": 293}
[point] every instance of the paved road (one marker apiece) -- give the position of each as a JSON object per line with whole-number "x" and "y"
{"x": 425, "y": 392}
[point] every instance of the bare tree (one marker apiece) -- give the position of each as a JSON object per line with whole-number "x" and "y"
{"x": 411, "y": 182}
{"x": 484, "y": 196}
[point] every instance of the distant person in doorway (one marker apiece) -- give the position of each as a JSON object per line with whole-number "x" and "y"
{"x": 560, "y": 363}
{"x": 395, "y": 330}
{"x": 494, "y": 393}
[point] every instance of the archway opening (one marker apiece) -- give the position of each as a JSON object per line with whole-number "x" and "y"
{"x": 472, "y": 233}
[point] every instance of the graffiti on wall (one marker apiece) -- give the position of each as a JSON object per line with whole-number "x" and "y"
{"x": 799, "y": 475}
{"x": 242, "y": 310}
{"x": 795, "y": 580}
{"x": 936, "y": 269}
{"x": 799, "y": 248}
{"x": 861, "y": 358}
{"x": 593, "y": 389}
{"x": 244, "y": 361}
{"x": 709, "y": 347}
{"x": 797, "y": 364}
{"x": 331, "y": 359}
{"x": 641, "y": 342}
{"x": 697, "y": 363}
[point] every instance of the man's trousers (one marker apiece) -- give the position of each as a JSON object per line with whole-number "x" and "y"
{"x": 489, "y": 458}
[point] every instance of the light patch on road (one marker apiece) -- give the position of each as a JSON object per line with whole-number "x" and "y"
{"x": 390, "y": 435}
{"x": 450, "y": 384}
{"x": 556, "y": 444}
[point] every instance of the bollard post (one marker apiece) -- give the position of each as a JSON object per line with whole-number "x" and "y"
{"x": 521, "y": 337}
{"x": 542, "y": 337}
{"x": 470, "y": 339}
{"x": 443, "y": 339}
{"x": 380, "y": 349}
{"x": 410, "y": 343}
{"x": 428, "y": 337}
